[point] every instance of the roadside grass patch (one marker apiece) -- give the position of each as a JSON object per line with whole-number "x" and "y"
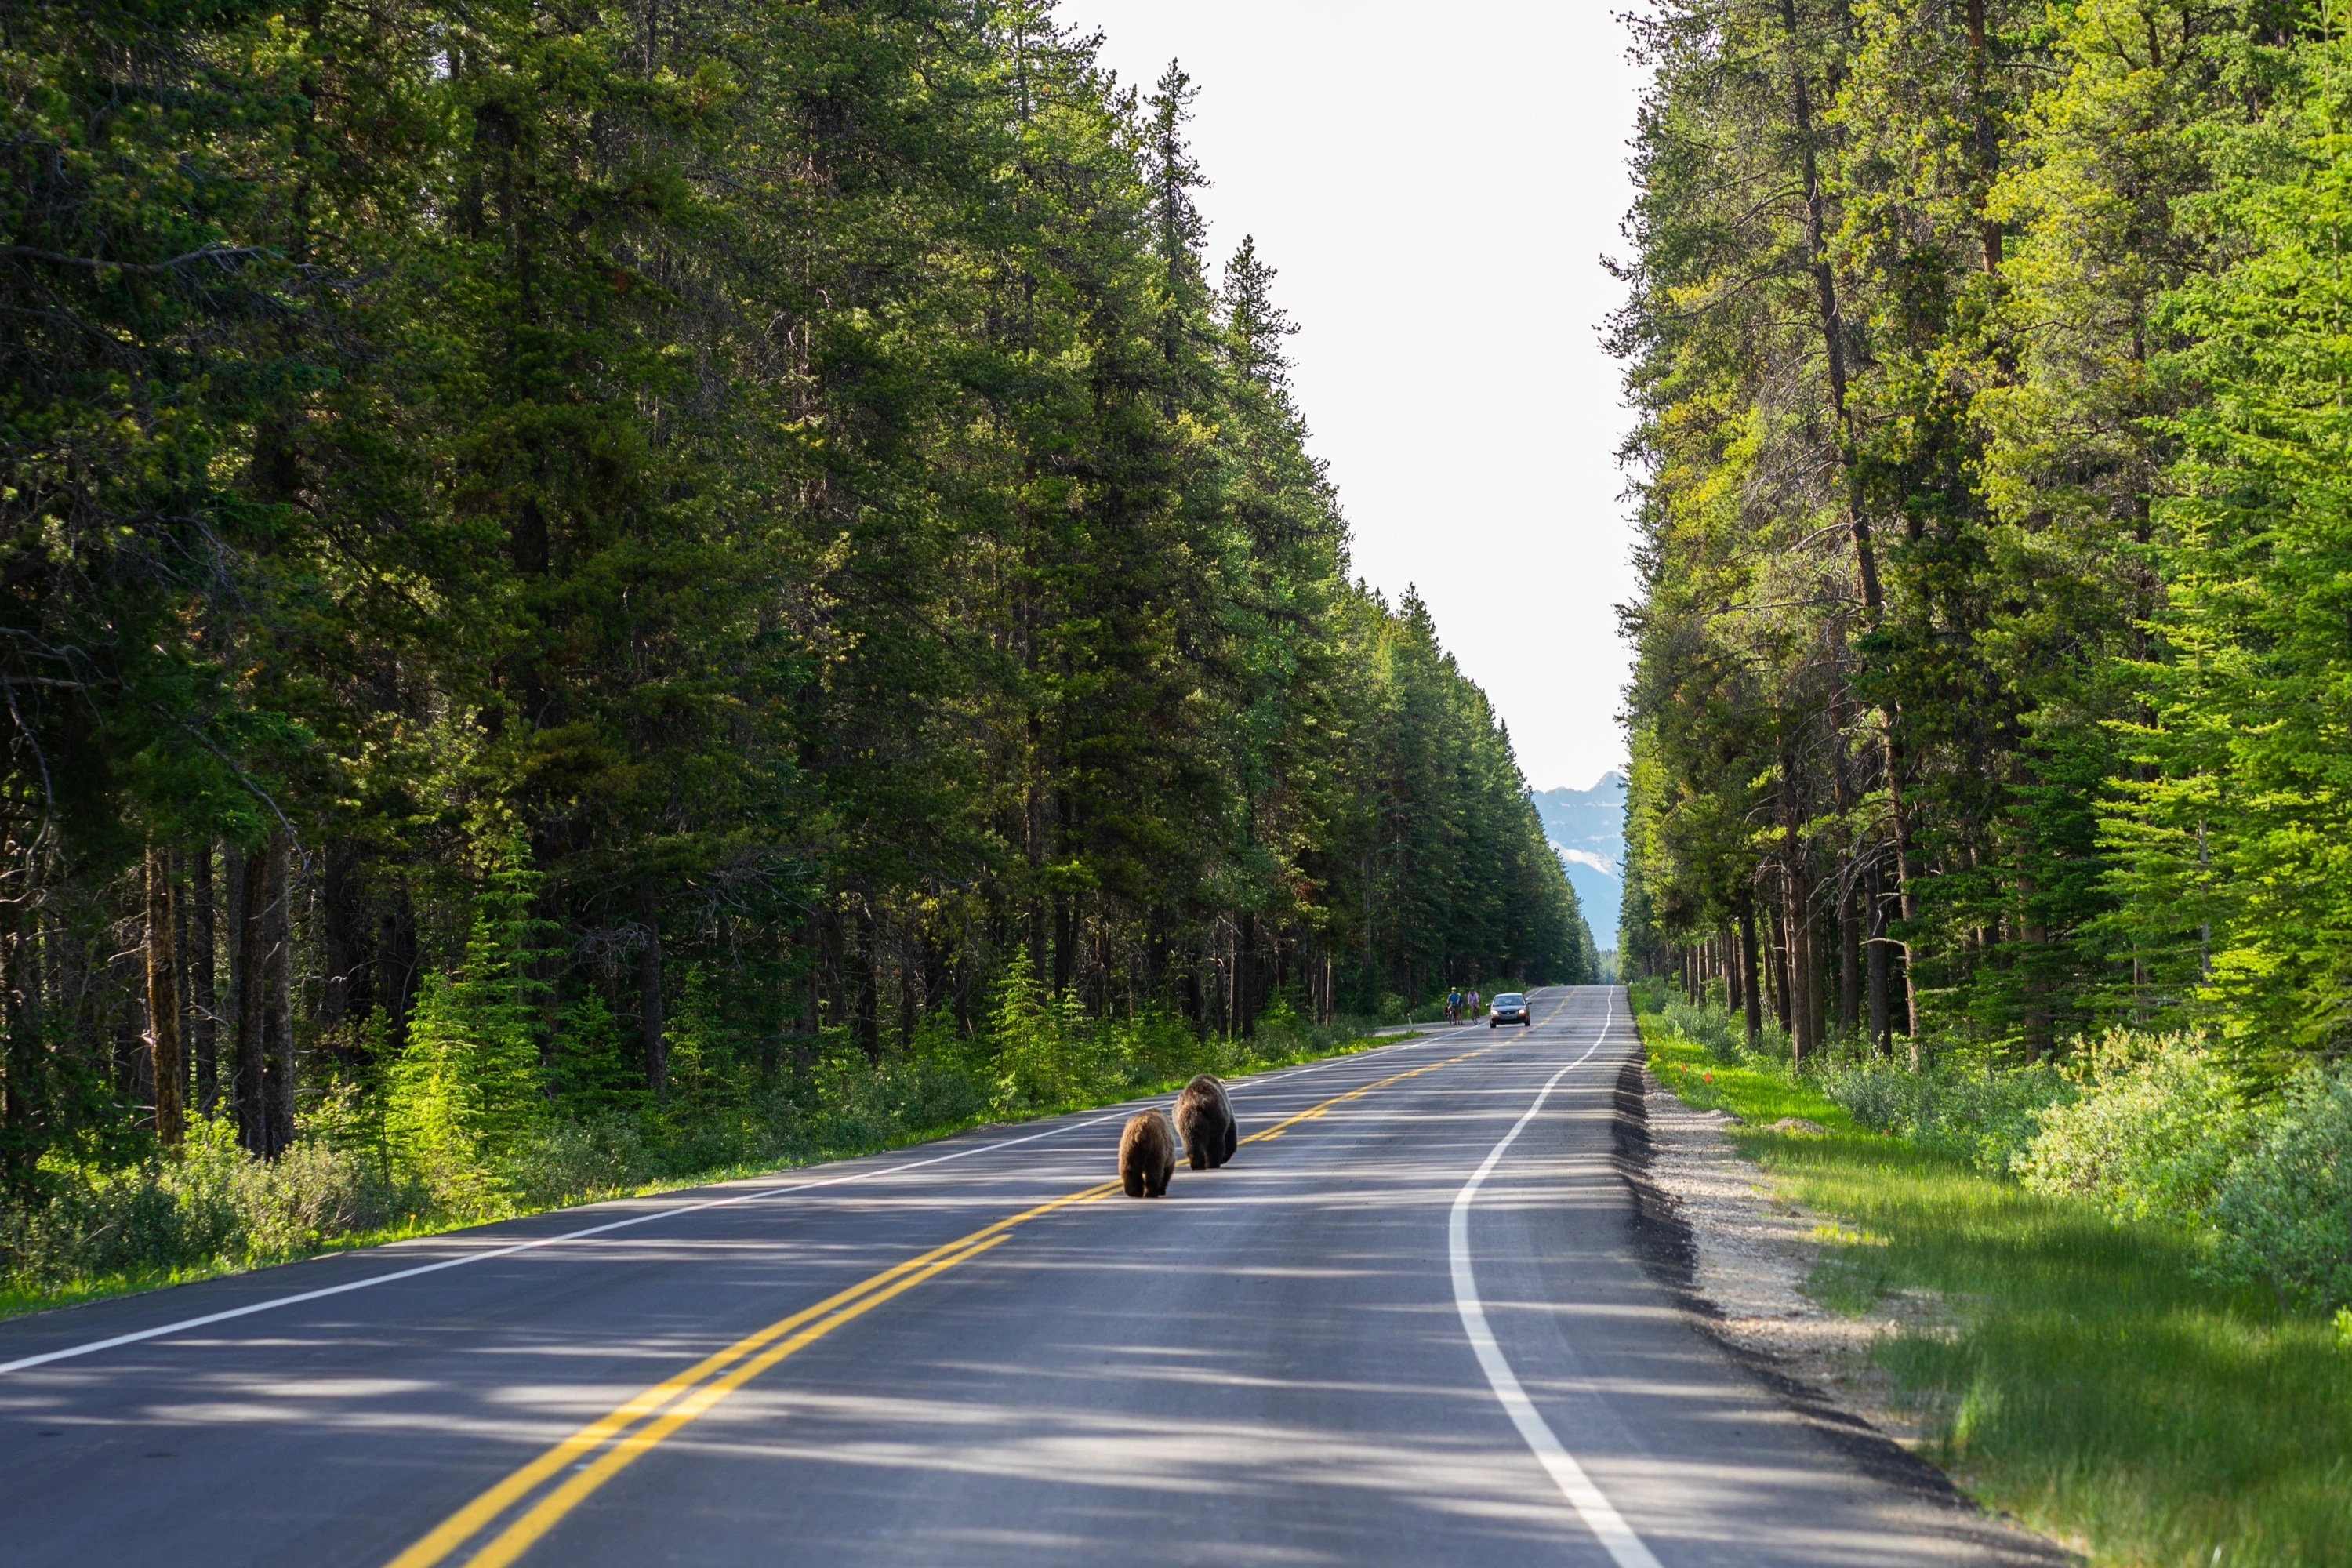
{"x": 2095, "y": 1387}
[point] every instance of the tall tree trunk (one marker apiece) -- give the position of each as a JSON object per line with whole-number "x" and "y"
{"x": 2034, "y": 936}
{"x": 910, "y": 980}
{"x": 1987, "y": 135}
{"x": 1817, "y": 974}
{"x": 1795, "y": 920}
{"x": 229, "y": 939}
{"x": 1753, "y": 999}
{"x": 1066, "y": 943}
{"x": 20, "y": 1053}
{"x": 278, "y": 986}
{"x": 649, "y": 991}
{"x": 251, "y": 1087}
{"x": 396, "y": 968}
{"x": 1849, "y": 957}
{"x": 346, "y": 953}
{"x": 1906, "y": 896}
{"x": 1777, "y": 938}
{"x": 1865, "y": 560}
{"x": 183, "y": 944}
{"x": 811, "y": 1001}
{"x": 1249, "y": 977}
{"x": 2040, "y": 1026}
{"x": 1796, "y": 917}
{"x": 163, "y": 999}
{"x": 1881, "y": 1040}
{"x": 125, "y": 972}
{"x": 869, "y": 982}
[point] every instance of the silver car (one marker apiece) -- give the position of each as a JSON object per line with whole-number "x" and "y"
{"x": 1510, "y": 1007}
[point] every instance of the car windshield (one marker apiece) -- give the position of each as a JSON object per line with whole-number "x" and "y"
{"x": 1509, "y": 999}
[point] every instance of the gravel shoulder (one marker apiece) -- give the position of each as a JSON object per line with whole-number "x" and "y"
{"x": 1751, "y": 1253}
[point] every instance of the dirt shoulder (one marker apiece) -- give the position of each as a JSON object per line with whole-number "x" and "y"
{"x": 1746, "y": 1259}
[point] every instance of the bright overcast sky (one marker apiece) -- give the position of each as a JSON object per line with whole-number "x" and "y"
{"x": 1436, "y": 186}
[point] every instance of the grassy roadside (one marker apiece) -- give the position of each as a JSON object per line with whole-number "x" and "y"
{"x": 2095, "y": 1387}
{"x": 16, "y": 1303}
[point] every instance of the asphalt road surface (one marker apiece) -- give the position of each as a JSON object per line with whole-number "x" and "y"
{"x": 1410, "y": 1323}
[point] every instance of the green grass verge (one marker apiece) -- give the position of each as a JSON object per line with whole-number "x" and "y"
{"x": 2095, "y": 1387}
{"x": 15, "y": 1302}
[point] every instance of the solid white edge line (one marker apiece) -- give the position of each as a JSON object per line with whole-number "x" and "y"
{"x": 1598, "y": 1514}
{"x": 184, "y": 1325}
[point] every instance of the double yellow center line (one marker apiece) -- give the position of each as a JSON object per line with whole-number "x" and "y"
{"x": 609, "y": 1444}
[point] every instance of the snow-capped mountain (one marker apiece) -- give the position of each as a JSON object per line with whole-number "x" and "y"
{"x": 1587, "y": 828}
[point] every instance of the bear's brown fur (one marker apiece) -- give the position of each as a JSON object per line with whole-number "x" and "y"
{"x": 1205, "y": 1119}
{"x": 1147, "y": 1153}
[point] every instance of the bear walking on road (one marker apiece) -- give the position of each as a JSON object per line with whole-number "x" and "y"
{"x": 1147, "y": 1154}
{"x": 1205, "y": 1119}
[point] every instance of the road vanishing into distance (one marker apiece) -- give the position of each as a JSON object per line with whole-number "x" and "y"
{"x": 1412, "y": 1323}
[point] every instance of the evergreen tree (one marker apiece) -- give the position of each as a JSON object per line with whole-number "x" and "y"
{"x": 607, "y": 558}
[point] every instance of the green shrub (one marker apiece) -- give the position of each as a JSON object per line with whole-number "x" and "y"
{"x": 109, "y": 1223}
{"x": 313, "y": 1193}
{"x": 2283, "y": 1212}
{"x": 209, "y": 1204}
{"x": 1879, "y": 1094}
{"x": 1039, "y": 1042}
{"x": 1989, "y": 1115}
{"x": 1281, "y": 1038}
{"x": 571, "y": 1161}
{"x": 1978, "y": 1111}
{"x": 2158, "y": 1122}
{"x": 590, "y": 1070}
{"x": 1710, "y": 1027}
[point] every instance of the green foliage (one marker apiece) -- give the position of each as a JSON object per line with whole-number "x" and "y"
{"x": 590, "y": 1072}
{"x": 692, "y": 538}
{"x": 1712, "y": 1027}
{"x": 1983, "y": 1111}
{"x": 205, "y": 1207}
{"x": 2284, "y": 1209}
{"x": 2233, "y": 832}
{"x": 465, "y": 1091}
{"x": 573, "y": 1161}
{"x": 1040, "y": 1042}
{"x": 2157, "y": 1127}
{"x": 1989, "y": 374}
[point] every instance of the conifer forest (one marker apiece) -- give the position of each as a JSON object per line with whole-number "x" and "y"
{"x": 588, "y": 590}
{"x": 1991, "y": 649}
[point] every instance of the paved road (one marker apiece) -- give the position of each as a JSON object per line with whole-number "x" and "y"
{"x": 1347, "y": 1347}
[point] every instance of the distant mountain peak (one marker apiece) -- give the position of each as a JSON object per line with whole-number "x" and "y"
{"x": 1612, "y": 783}
{"x": 1587, "y": 828}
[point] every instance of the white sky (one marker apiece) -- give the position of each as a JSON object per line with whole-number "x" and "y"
{"x": 1436, "y": 186}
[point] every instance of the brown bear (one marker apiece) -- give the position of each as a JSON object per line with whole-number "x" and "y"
{"x": 1205, "y": 1119}
{"x": 1147, "y": 1154}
